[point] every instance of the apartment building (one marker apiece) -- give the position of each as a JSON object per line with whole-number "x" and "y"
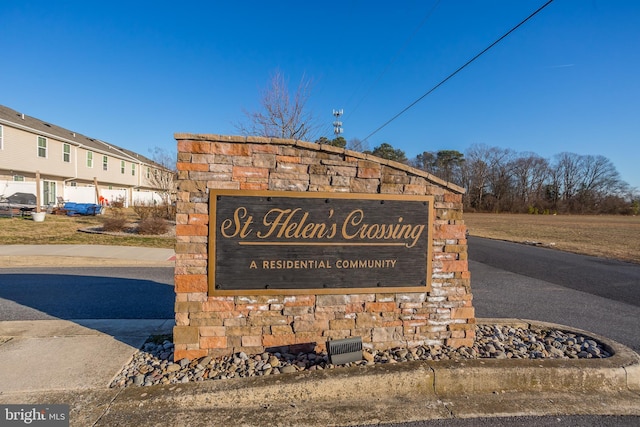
{"x": 71, "y": 166}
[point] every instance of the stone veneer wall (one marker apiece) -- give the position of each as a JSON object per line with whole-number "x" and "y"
{"x": 218, "y": 325}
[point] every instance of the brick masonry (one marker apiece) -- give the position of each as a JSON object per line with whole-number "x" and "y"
{"x": 220, "y": 325}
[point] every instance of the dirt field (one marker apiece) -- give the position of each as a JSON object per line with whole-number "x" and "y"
{"x": 606, "y": 236}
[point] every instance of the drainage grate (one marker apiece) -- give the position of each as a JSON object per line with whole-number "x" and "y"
{"x": 344, "y": 351}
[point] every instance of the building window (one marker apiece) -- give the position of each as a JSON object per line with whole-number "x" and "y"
{"x": 105, "y": 163}
{"x": 42, "y": 146}
{"x": 133, "y": 169}
{"x": 18, "y": 178}
{"x": 66, "y": 153}
{"x": 1, "y": 129}
{"x": 148, "y": 173}
{"x": 122, "y": 167}
{"x": 89, "y": 159}
{"x": 73, "y": 184}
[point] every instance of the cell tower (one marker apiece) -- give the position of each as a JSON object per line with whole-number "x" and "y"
{"x": 337, "y": 125}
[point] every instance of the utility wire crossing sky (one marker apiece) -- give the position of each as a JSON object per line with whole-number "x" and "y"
{"x": 135, "y": 73}
{"x": 458, "y": 70}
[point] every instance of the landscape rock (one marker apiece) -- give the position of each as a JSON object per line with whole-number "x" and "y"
{"x": 150, "y": 366}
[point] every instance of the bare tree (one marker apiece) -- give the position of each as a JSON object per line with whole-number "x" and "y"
{"x": 164, "y": 158}
{"x": 501, "y": 177}
{"x": 530, "y": 172}
{"x": 487, "y": 174}
{"x": 356, "y": 144}
{"x": 476, "y": 172}
{"x": 282, "y": 115}
{"x": 582, "y": 182}
{"x": 600, "y": 175}
{"x": 569, "y": 169}
{"x": 600, "y": 180}
{"x": 163, "y": 178}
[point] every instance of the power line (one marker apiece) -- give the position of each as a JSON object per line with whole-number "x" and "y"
{"x": 458, "y": 70}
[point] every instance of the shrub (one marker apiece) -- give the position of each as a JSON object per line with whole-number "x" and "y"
{"x": 117, "y": 203}
{"x": 153, "y": 226}
{"x": 169, "y": 212}
{"x": 148, "y": 210}
{"x": 117, "y": 223}
{"x": 143, "y": 211}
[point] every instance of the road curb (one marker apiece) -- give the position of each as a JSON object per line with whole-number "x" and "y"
{"x": 619, "y": 372}
{"x": 402, "y": 392}
{"x": 445, "y": 378}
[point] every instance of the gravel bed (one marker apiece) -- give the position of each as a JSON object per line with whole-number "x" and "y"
{"x": 153, "y": 364}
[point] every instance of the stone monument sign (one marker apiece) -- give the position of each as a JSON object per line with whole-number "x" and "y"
{"x": 283, "y": 243}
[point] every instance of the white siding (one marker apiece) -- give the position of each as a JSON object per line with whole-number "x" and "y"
{"x": 20, "y": 153}
{"x": 19, "y": 156}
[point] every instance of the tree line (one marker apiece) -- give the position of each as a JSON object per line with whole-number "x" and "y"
{"x": 495, "y": 179}
{"x": 503, "y": 180}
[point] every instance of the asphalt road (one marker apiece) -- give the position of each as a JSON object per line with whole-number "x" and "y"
{"x": 610, "y": 279}
{"x": 594, "y": 294}
{"x": 86, "y": 293}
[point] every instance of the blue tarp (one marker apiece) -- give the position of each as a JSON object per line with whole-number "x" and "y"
{"x": 82, "y": 208}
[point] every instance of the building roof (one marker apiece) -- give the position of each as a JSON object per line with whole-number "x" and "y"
{"x": 20, "y": 120}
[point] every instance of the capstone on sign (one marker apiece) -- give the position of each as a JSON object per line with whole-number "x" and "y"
{"x": 269, "y": 242}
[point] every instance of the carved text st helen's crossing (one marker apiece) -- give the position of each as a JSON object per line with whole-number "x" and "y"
{"x": 286, "y": 242}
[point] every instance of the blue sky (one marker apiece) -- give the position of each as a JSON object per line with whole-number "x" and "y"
{"x": 133, "y": 73}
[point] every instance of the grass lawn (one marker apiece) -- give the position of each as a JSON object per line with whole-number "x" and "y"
{"x": 606, "y": 236}
{"x": 603, "y": 235}
{"x": 61, "y": 229}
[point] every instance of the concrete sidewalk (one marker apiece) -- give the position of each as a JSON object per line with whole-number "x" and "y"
{"x": 45, "y": 355}
{"x": 72, "y": 362}
{"x": 84, "y": 255}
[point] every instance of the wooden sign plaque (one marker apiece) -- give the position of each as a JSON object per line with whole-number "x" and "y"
{"x": 269, "y": 242}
